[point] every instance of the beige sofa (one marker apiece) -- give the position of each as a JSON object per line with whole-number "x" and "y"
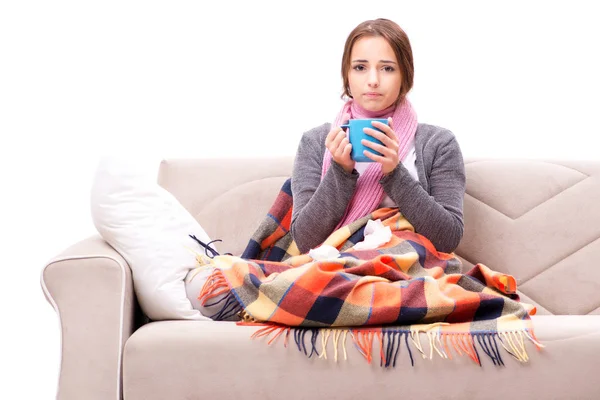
{"x": 537, "y": 220}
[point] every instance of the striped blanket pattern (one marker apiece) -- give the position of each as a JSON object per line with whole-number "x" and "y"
{"x": 399, "y": 290}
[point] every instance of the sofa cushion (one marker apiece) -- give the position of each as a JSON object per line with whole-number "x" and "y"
{"x": 148, "y": 226}
{"x": 538, "y": 221}
{"x": 218, "y": 360}
{"x": 235, "y": 193}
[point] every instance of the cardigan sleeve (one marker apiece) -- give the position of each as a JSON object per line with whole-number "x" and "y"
{"x": 318, "y": 205}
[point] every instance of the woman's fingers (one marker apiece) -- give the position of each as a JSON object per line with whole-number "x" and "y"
{"x": 346, "y": 152}
{"x": 339, "y": 146}
{"x": 342, "y": 147}
{"x": 333, "y": 139}
{"x": 377, "y": 147}
{"x": 388, "y": 140}
{"x": 388, "y": 147}
{"x": 330, "y": 136}
{"x": 386, "y": 152}
{"x": 374, "y": 157}
{"x": 337, "y": 141}
{"x": 387, "y": 129}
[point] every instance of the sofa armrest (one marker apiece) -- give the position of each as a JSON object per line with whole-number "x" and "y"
{"x": 91, "y": 289}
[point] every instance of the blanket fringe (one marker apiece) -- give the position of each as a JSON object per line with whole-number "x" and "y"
{"x": 389, "y": 341}
{"x": 215, "y": 286}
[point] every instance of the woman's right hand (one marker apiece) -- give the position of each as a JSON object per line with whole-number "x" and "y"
{"x": 339, "y": 146}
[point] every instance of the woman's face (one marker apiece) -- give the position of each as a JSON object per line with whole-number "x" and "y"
{"x": 374, "y": 76}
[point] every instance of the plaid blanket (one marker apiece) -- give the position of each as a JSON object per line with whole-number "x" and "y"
{"x": 399, "y": 290}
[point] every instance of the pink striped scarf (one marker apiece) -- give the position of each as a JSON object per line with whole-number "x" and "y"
{"x": 369, "y": 192}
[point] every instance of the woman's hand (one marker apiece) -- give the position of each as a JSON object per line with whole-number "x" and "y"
{"x": 339, "y": 146}
{"x": 389, "y": 151}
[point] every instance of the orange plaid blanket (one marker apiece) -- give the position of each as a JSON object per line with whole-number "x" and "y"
{"x": 397, "y": 291}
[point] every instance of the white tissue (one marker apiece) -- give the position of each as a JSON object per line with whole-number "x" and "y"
{"x": 375, "y": 235}
{"x": 324, "y": 252}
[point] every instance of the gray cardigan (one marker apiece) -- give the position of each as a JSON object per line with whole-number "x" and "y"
{"x": 433, "y": 205}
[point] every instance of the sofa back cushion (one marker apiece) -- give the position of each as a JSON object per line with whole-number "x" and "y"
{"x": 229, "y": 198}
{"x": 536, "y": 220}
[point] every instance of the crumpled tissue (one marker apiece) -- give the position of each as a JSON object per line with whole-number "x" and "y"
{"x": 324, "y": 252}
{"x": 375, "y": 235}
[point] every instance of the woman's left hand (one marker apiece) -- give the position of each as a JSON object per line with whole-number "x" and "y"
{"x": 389, "y": 151}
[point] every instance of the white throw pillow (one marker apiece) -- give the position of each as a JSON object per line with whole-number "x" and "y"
{"x": 149, "y": 227}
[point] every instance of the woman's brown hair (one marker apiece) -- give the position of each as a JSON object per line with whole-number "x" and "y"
{"x": 397, "y": 39}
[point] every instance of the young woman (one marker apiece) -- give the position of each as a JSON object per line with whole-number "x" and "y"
{"x": 420, "y": 170}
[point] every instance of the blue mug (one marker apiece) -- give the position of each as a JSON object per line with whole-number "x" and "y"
{"x": 357, "y": 134}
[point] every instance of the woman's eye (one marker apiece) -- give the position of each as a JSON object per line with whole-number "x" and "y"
{"x": 359, "y": 67}
{"x": 387, "y": 68}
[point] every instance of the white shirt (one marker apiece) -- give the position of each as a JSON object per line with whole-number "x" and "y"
{"x": 409, "y": 163}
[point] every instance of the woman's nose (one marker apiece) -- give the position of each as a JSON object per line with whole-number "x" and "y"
{"x": 373, "y": 78}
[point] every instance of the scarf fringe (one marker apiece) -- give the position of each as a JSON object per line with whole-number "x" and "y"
{"x": 389, "y": 340}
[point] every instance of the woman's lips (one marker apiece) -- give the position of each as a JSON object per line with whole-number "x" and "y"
{"x": 372, "y": 95}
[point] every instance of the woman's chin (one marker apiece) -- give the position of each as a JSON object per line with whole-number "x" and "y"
{"x": 373, "y": 106}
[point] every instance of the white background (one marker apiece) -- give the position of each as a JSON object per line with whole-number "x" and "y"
{"x": 152, "y": 80}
